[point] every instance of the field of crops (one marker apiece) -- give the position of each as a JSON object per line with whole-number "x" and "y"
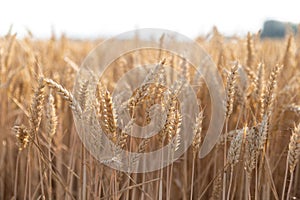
{"x": 256, "y": 157}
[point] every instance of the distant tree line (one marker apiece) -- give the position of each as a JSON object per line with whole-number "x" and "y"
{"x": 277, "y": 29}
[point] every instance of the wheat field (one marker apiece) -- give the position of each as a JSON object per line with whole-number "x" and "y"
{"x": 256, "y": 157}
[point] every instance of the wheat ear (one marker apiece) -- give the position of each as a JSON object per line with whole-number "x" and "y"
{"x": 106, "y": 112}
{"x": 197, "y": 133}
{"x": 36, "y": 108}
{"x": 288, "y": 52}
{"x": 234, "y": 151}
{"x": 230, "y": 90}
{"x": 269, "y": 97}
{"x": 250, "y": 51}
{"x": 23, "y": 136}
{"x": 251, "y": 150}
{"x": 294, "y": 149}
{"x": 51, "y": 117}
{"x": 292, "y": 159}
{"x": 66, "y": 95}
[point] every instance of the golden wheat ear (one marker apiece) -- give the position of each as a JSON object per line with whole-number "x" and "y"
{"x": 51, "y": 117}
{"x": 288, "y": 54}
{"x": 230, "y": 89}
{"x": 250, "y": 51}
{"x": 234, "y": 151}
{"x": 260, "y": 81}
{"x": 295, "y": 108}
{"x": 65, "y": 94}
{"x": 251, "y": 151}
{"x": 294, "y": 149}
{"x": 106, "y": 112}
{"x": 269, "y": 97}
{"x": 37, "y": 106}
{"x": 83, "y": 94}
{"x": 197, "y": 133}
{"x": 23, "y": 136}
{"x": 217, "y": 187}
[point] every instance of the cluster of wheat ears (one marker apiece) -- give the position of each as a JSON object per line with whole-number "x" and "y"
{"x": 256, "y": 156}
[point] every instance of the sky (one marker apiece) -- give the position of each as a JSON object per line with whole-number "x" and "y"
{"x": 91, "y": 18}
